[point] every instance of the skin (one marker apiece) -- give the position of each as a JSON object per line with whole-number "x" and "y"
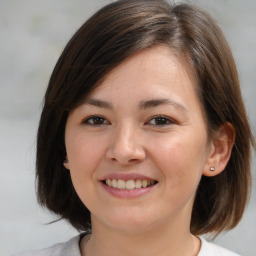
{"x": 128, "y": 139}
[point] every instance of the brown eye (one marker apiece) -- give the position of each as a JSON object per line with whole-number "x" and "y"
{"x": 95, "y": 120}
{"x": 160, "y": 121}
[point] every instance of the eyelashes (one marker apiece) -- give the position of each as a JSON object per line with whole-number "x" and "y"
{"x": 158, "y": 120}
{"x": 96, "y": 121}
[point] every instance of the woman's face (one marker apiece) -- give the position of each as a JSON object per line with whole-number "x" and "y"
{"x": 138, "y": 145}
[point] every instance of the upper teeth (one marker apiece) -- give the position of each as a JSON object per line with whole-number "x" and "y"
{"x": 129, "y": 184}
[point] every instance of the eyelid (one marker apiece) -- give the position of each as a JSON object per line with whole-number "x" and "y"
{"x": 85, "y": 120}
{"x": 170, "y": 120}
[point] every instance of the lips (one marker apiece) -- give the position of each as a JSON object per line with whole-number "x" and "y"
{"x": 125, "y": 185}
{"x": 129, "y": 184}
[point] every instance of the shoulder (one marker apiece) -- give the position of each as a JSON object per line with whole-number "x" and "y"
{"x": 53, "y": 250}
{"x": 210, "y": 249}
{"x": 69, "y": 248}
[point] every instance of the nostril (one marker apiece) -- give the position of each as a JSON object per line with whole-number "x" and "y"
{"x": 124, "y": 160}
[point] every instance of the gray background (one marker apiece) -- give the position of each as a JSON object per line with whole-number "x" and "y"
{"x": 32, "y": 36}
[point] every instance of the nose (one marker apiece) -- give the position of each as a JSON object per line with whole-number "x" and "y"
{"x": 126, "y": 146}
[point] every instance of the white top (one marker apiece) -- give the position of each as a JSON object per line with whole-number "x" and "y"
{"x": 71, "y": 248}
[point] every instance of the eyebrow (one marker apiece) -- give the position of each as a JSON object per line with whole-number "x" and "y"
{"x": 99, "y": 103}
{"x": 142, "y": 105}
{"x": 157, "y": 102}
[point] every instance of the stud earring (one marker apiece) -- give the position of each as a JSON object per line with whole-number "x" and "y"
{"x": 212, "y": 168}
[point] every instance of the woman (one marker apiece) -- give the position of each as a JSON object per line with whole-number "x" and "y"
{"x": 143, "y": 139}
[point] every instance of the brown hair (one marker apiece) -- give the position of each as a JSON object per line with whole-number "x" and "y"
{"x": 104, "y": 41}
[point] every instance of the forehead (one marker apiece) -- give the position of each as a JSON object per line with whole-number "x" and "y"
{"x": 155, "y": 66}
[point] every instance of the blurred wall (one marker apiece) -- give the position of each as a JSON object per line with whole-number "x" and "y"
{"x": 32, "y": 36}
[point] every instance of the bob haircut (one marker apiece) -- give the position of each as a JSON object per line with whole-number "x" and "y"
{"x": 110, "y": 36}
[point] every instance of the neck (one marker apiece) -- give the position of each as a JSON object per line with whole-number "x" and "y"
{"x": 164, "y": 240}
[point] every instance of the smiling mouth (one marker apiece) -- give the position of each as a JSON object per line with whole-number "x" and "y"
{"x": 129, "y": 184}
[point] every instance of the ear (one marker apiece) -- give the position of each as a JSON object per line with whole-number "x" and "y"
{"x": 66, "y": 162}
{"x": 220, "y": 150}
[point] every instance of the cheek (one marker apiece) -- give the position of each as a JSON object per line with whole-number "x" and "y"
{"x": 84, "y": 153}
{"x": 181, "y": 158}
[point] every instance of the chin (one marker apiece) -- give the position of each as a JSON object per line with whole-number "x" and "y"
{"x": 130, "y": 223}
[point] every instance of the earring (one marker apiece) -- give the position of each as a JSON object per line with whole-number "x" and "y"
{"x": 212, "y": 168}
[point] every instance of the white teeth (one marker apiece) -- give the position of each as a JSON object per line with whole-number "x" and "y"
{"x": 109, "y": 182}
{"x": 121, "y": 184}
{"x": 129, "y": 184}
{"x": 138, "y": 183}
{"x": 144, "y": 183}
{"x": 114, "y": 184}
